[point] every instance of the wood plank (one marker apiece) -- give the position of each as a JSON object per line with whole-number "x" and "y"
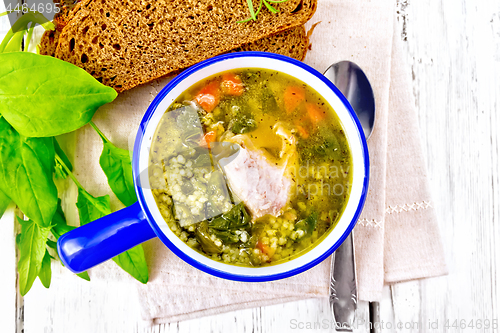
{"x": 244, "y": 321}
{"x": 387, "y": 319}
{"x": 8, "y": 277}
{"x": 453, "y": 47}
{"x": 406, "y": 305}
{"x": 73, "y": 304}
{"x": 287, "y": 317}
{"x": 11, "y": 305}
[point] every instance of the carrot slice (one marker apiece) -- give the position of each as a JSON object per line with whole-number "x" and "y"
{"x": 303, "y": 132}
{"x": 208, "y": 138}
{"x": 208, "y": 97}
{"x": 292, "y": 97}
{"x": 231, "y": 84}
{"x": 266, "y": 249}
{"x": 315, "y": 113}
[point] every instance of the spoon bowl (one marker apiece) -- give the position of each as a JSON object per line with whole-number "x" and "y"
{"x": 354, "y": 85}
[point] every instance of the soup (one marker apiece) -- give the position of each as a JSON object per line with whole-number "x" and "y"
{"x": 250, "y": 167}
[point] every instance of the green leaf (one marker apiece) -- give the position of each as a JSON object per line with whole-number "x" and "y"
{"x": 32, "y": 249}
{"x": 16, "y": 43}
{"x": 204, "y": 238}
{"x": 4, "y": 202}
{"x": 84, "y": 275}
{"x": 43, "y": 96}
{"x": 59, "y": 228}
{"x": 133, "y": 262}
{"x": 228, "y": 237}
{"x": 30, "y": 35}
{"x": 271, "y": 8}
{"x": 236, "y": 218}
{"x": 22, "y": 24}
{"x": 225, "y": 226}
{"x": 116, "y": 164}
{"x": 60, "y": 172}
{"x": 26, "y": 167}
{"x": 90, "y": 208}
{"x": 250, "y": 8}
{"x": 45, "y": 274}
{"x": 254, "y": 14}
{"x": 244, "y": 124}
{"x": 308, "y": 224}
{"x": 52, "y": 244}
{"x": 59, "y": 225}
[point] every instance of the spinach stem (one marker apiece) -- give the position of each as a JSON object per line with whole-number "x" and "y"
{"x": 30, "y": 35}
{"x": 103, "y": 137}
{"x": 70, "y": 174}
{"x": 22, "y": 24}
{"x": 6, "y": 13}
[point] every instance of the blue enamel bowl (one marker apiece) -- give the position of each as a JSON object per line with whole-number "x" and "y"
{"x": 96, "y": 242}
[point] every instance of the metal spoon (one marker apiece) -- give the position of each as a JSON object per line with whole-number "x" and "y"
{"x": 354, "y": 84}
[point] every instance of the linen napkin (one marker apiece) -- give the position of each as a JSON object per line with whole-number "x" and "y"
{"x": 396, "y": 238}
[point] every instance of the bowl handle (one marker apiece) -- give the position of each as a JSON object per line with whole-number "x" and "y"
{"x": 103, "y": 239}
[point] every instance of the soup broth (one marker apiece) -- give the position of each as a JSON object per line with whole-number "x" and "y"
{"x": 250, "y": 167}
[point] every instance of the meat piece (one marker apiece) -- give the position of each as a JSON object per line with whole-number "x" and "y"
{"x": 262, "y": 182}
{"x": 262, "y": 186}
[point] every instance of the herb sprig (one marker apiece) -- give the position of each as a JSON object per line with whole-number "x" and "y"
{"x": 43, "y": 97}
{"x": 267, "y": 3}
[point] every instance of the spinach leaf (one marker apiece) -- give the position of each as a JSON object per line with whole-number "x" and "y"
{"x": 269, "y": 103}
{"x": 21, "y": 25}
{"x": 59, "y": 225}
{"x": 243, "y": 124}
{"x": 60, "y": 172}
{"x": 132, "y": 261}
{"x": 45, "y": 274}
{"x": 308, "y": 224}
{"x": 116, "y": 164}
{"x": 38, "y": 103}
{"x": 84, "y": 275}
{"x": 236, "y": 218}
{"x": 32, "y": 249}
{"x": 52, "y": 244}
{"x": 228, "y": 236}
{"x": 15, "y": 44}
{"x": 4, "y": 202}
{"x": 203, "y": 236}
{"x": 90, "y": 208}
{"x": 26, "y": 167}
{"x": 227, "y": 225}
{"x": 58, "y": 229}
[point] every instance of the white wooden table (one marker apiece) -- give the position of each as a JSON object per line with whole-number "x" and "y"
{"x": 453, "y": 47}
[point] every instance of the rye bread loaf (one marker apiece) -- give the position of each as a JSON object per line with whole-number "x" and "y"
{"x": 130, "y": 42}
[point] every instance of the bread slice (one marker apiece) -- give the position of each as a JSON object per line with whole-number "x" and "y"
{"x": 292, "y": 43}
{"x": 130, "y": 42}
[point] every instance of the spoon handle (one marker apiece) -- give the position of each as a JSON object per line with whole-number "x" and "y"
{"x": 343, "y": 290}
